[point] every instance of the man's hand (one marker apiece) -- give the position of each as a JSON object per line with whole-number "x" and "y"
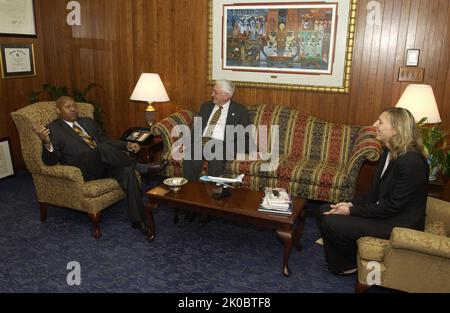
{"x": 342, "y": 208}
{"x": 43, "y": 133}
{"x": 133, "y": 147}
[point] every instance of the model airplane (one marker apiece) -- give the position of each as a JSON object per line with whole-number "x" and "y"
{"x": 223, "y": 181}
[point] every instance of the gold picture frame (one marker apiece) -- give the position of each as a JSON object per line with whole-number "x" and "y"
{"x": 17, "y": 18}
{"x": 266, "y": 43}
{"x": 17, "y": 60}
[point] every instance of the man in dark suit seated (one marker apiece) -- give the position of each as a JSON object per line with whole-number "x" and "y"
{"x": 80, "y": 142}
{"x": 217, "y": 116}
{"x": 216, "y": 140}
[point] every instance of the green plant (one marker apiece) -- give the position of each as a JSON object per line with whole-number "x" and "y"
{"x": 52, "y": 92}
{"x": 435, "y": 142}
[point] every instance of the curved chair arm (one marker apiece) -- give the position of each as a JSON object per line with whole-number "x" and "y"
{"x": 439, "y": 210}
{"x": 410, "y": 239}
{"x": 64, "y": 171}
{"x": 366, "y": 146}
{"x": 164, "y": 127}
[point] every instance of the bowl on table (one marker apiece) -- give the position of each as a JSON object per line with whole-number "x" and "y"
{"x": 175, "y": 183}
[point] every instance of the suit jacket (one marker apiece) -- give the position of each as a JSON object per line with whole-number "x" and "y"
{"x": 399, "y": 197}
{"x": 237, "y": 115}
{"x": 69, "y": 146}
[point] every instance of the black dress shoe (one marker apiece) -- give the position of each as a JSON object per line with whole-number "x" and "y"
{"x": 143, "y": 228}
{"x": 342, "y": 273}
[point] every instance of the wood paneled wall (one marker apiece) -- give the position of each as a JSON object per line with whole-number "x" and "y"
{"x": 120, "y": 39}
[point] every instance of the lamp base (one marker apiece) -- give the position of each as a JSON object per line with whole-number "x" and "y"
{"x": 150, "y": 117}
{"x": 150, "y": 114}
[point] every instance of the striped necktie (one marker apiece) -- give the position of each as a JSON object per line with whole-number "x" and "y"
{"x": 86, "y": 137}
{"x": 212, "y": 124}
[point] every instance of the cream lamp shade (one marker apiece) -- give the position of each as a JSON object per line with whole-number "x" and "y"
{"x": 151, "y": 89}
{"x": 420, "y": 101}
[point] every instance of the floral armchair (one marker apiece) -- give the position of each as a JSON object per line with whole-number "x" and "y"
{"x": 62, "y": 185}
{"x": 411, "y": 260}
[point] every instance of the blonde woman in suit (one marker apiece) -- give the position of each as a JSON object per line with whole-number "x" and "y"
{"x": 397, "y": 197}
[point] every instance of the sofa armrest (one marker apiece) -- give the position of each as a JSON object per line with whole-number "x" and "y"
{"x": 366, "y": 146}
{"x": 410, "y": 239}
{"x": 71, "y": 173}
{"x": 164, "y": 127}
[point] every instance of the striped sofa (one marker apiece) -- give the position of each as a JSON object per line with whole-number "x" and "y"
{"x": 319, "y": 160}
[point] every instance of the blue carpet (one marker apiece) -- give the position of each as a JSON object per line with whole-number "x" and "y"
{"x": 220, "y": 256}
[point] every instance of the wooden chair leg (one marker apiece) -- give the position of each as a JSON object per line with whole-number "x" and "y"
{"x": 43, "y": 209}
{"x": 360, "y": 287}
{"x": 95, "y": 218}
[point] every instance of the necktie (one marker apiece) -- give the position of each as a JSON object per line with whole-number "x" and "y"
{"x": 215, "y": 118}
{"x": 86, "y": 137}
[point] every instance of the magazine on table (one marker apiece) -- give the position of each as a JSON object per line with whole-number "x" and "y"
{"x": 276, "y": 200}
{"x": 277, "y": 195}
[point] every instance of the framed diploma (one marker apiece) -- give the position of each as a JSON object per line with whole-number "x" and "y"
{"x": 17, "y": 60}
{"x": 6, "y": 161}
{"x": 17, "y": 18}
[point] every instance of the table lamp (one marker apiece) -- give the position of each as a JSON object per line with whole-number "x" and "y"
{"x": 151, "y": 89}
{"x": 420, "y": 101}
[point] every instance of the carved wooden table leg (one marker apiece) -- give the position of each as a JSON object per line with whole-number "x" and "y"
{"x": 287, "y": 246}
{"x": 299, "y": 230}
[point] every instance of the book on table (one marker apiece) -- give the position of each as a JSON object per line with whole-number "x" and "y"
{"x": 277, "y": 195}
{"x": 276, "y": 200}
{"x": 262, "y": 209}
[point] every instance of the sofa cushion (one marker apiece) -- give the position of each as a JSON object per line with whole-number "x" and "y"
{"x": 95, "y": 188}
{"x": 303, "y": 171}
{"x": 306, "y": 137}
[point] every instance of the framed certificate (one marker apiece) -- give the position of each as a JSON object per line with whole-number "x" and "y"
{"x": 17, "y": 60}
{"x": 6, "y": 163}
{"x": 17, "y": 18}
{"x": 412, "y": 57}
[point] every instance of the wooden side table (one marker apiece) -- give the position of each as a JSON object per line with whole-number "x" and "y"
{"x": 436, "y": 187}
{"x": 149, "y": 150}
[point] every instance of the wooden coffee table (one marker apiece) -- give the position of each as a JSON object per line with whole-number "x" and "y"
{"x": 241, "y": 206}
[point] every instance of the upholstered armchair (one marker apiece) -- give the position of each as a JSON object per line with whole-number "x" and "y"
{"x": 411, "y": 260}
{"x": 62, "y": 185}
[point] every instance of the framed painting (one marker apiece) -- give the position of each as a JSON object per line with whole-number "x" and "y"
{"x": 17, "y": 18}
{"x": 282, "y": 44}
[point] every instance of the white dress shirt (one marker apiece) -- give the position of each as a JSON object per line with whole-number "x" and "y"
{"x": 219, "y": 129}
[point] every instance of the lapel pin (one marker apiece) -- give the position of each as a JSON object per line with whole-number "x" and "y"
{"x": 232, "y": 114}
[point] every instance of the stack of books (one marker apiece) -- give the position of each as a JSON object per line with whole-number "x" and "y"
{"x": 276, "y": 200}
